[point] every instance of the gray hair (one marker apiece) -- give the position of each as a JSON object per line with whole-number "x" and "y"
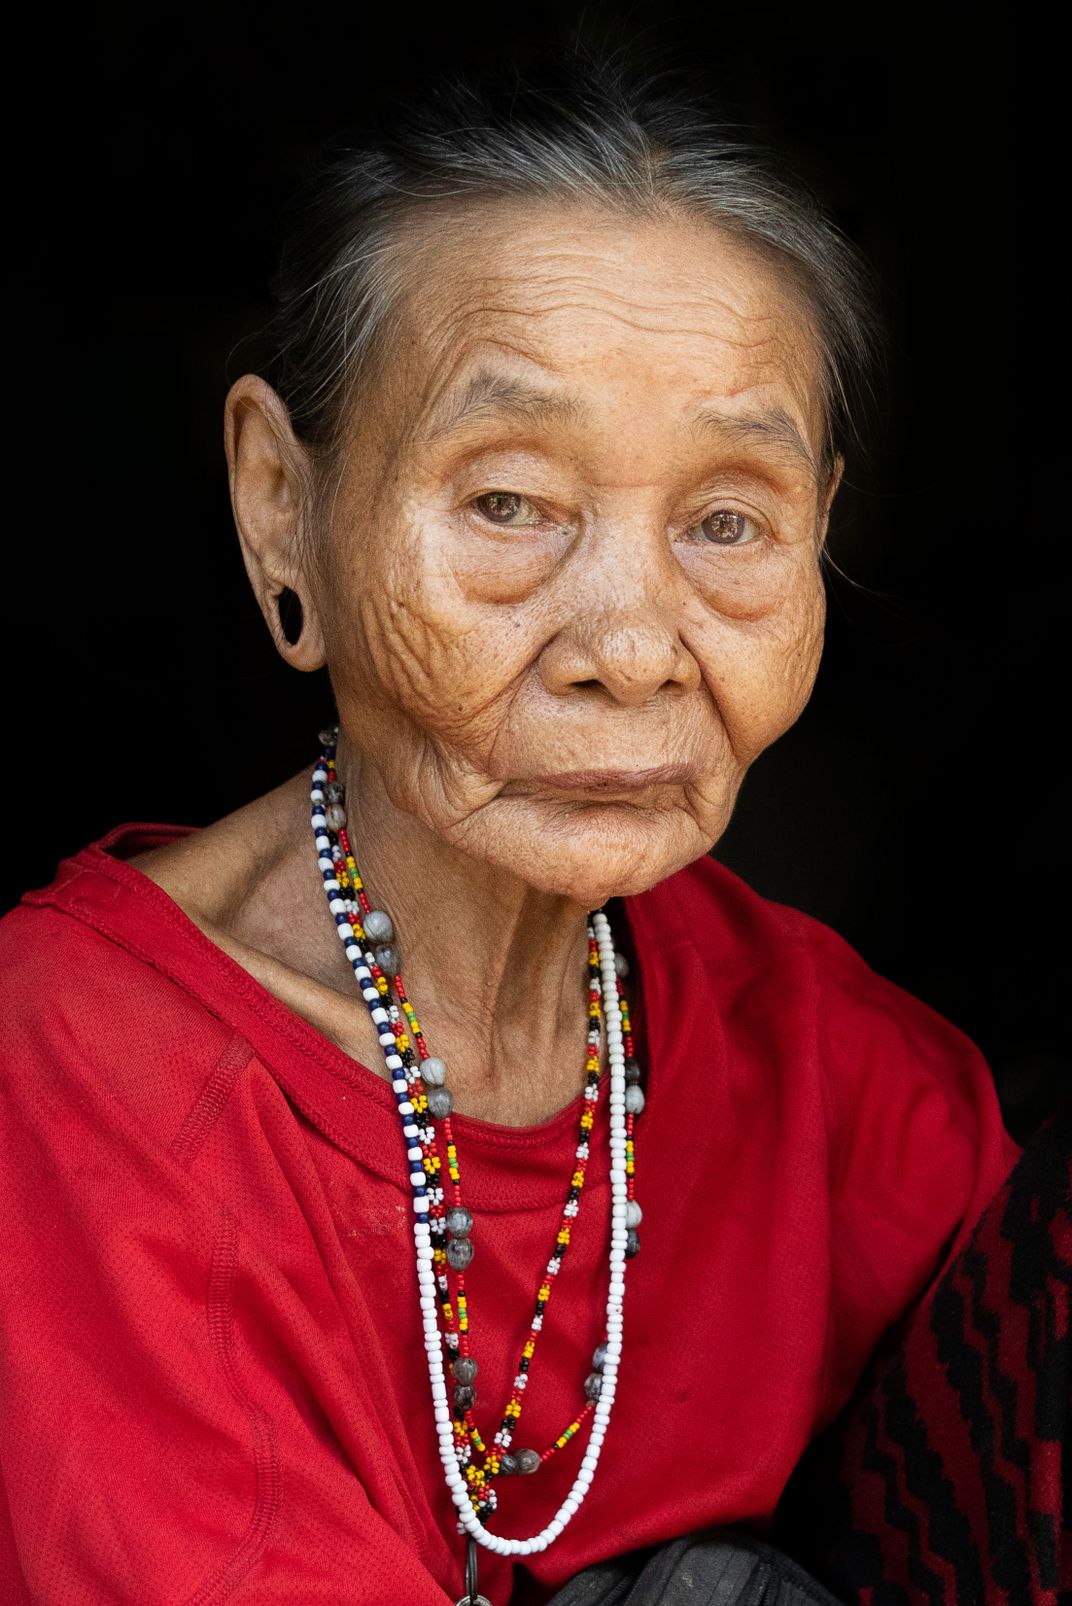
{"x": 588, "y": 125}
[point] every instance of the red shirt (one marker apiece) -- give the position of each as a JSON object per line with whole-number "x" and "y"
{"x": 213, "y": 1383}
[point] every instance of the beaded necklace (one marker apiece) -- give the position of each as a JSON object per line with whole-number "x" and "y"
{"x": 442, "y": 1229}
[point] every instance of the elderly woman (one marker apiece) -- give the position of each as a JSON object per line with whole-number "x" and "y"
{"x": 441, "y": 1175}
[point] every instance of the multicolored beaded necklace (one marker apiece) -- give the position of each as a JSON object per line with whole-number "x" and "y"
{"x": 442, "y": 1229}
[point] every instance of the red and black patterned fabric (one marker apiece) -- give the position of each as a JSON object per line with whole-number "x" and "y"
{"x": 945, "y": 1479}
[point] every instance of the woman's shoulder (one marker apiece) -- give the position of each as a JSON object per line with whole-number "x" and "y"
{"x": 90, "y": 998}
{"x": 770, "y": 962}
{"x": 94, "y": 919}
{"x": 917, "y": 1140}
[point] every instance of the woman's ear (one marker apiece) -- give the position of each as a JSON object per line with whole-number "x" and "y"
{"x": 826, "y": 497}
{"x": 269, "y": 468}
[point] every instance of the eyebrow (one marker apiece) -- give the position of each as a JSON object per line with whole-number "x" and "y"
{"x": 488, "y": 395}
{"x": 773, "y": 424}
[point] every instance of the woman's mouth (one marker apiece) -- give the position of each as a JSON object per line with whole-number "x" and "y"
{"x": 619, "y": 780}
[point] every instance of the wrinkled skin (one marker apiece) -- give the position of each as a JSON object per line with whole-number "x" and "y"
{"x": 531, "y": 595}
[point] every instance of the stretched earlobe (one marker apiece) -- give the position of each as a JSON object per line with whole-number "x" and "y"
{"x": 291, "y": 618}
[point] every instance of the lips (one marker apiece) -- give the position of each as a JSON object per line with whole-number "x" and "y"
{"x": 631, "y": 780}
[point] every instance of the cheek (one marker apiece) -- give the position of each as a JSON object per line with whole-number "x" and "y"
{"x": 431, "y": 639}
{"x": 761, "y": 670}
{"x": 796, "y": 629}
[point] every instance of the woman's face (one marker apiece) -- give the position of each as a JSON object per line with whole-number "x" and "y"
{"x": 579, "y": 541}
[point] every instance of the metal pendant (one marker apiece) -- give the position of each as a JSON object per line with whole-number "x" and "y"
{"x": 471, "y": 1597}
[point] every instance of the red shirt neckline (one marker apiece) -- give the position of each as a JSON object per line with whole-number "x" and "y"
{"x": 321, "y": 1078}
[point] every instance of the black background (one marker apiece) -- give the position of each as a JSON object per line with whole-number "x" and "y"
{"x": 912, "y": 807}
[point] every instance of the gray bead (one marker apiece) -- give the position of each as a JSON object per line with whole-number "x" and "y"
{"x": 459, "y": 1252}
{"x": 632, "y": 1243}
{"x": 378, "y": 925}
{"x": 592, "y": 1385}
{"x": 599, "y": 1355}
{"x": 327, "y": 736}
{"x": 621, "y": 965}
{"x": 632, "y": 1070}
{"x": 440, "y": 1101}
{"x": 434, "y": 1070}
{"x": 527, "y": 1460}
{"x": 633, "y": 1213}
{"x": 464, "y": 1369}
{"x": 508, "y": 1464}
{"x": 464, "y": 1396}
{"x": 387, "y": 959}
{"x": 459, "y": 1221}
{"x": 634, "y": 1100}
{"x": 336, "y": 816}
{"x": 335, "y": 792}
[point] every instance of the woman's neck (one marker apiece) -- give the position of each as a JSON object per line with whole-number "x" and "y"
{"x": 497, "y": 971}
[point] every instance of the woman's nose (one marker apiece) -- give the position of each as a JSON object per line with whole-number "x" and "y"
{"x": 622, "y": 632}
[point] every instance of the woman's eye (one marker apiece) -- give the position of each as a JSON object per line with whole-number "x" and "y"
{"x": 501, "y": 507}
{"x": 728, "y": 527}
{"x": 724, "y": 527}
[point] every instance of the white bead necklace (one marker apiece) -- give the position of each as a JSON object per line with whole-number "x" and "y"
{"x": 433, "y": 1344}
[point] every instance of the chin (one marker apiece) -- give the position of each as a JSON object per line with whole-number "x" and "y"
{"x": 593, "y": 851}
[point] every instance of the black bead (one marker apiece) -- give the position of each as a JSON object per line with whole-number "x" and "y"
{"x": 464, "y": 1396}
{"x": 459, "y": 1252}
{"x": 632, "y": 1243}
{"x": 459, "y": 1221}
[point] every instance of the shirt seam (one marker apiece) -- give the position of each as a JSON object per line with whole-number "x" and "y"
{"x": 267, "y": 1468}
{"x": 210, "y": 1103}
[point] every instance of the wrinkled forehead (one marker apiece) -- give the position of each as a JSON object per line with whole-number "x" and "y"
{"x": 594, "y": 320}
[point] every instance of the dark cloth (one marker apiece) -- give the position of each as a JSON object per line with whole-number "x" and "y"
{"x": 721, "y": 1566}
{"x": 945, "y": 1479}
